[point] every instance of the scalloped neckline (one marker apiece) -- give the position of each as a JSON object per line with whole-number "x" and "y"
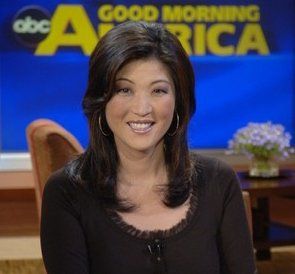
{"x": 158, "y": 233}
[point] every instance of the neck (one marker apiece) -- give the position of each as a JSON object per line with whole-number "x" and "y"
{"x": 138, "y": 167}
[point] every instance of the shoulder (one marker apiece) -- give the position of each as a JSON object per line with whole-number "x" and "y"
{"x": 211, "y": 166}
{"x": 59, "y": 186}
{"x": 215, "y": 173}
{"x": 58, "y": 180}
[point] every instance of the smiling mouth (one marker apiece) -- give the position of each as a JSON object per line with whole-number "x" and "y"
{"x": 141, "y": 127}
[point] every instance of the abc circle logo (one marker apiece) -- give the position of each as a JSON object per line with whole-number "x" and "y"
{"x": 31, "y": 25}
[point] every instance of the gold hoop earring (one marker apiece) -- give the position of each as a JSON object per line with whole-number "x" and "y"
{"x": 177, "y": 125}
{"x": 100, "y": 127}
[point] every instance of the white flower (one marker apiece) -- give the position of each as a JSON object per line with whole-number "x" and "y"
{"x": 263, "y": 140}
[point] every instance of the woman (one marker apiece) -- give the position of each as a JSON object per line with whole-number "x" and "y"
{"x": 136, "y": 201}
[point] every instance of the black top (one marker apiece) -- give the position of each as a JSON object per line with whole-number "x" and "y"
{"x": 79, "y": 236}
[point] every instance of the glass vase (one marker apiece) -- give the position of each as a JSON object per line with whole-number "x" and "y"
{"x": 263, "y": 167}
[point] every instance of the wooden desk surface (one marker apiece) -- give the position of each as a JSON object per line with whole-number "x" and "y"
{"x": 284, "y": 185}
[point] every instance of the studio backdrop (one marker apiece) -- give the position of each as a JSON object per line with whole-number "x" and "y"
{"x": 242, "y": 54}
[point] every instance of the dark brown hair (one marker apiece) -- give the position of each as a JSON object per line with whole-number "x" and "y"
{"x": 98, "y": 165}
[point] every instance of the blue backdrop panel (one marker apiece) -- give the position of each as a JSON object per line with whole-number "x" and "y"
{"x": 231, "y": 89}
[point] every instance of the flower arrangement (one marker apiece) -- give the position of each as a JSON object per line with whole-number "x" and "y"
{"x": 262, "y": 142}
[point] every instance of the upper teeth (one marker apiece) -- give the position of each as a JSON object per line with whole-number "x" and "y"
{"x": 139, "y": 126}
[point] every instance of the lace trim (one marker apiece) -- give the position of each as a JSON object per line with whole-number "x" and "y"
{"x": 153, "y": 234}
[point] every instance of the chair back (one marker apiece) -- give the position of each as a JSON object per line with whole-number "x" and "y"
{"x": 51, "y": 147}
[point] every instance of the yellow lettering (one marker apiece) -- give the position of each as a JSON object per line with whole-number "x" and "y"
{"x": 213, "y": 35}
{"x": 120, "y": 13}
{"x": 253, "y": 13}
{"x": 183, "y": 33}
{"x": 188, "y": 13}
{"x": 252, "y": 38}
{"x": 83, "y": 34}
{"x": 200, "y": 39}
{"x": 203, "y": 13}
{"x": 105, "y": 14}
{"x": 151, "y": 13}
{"x": 135, "y": 13}
{"x": 103, "y": 28}
{"x": 171, "y": 13}
{"x": 217, "y": 13}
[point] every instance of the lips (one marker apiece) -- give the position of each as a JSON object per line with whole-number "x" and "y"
{"x": 141, "y": 126}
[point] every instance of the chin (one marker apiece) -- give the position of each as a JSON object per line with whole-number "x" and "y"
{"x": 144, "y": 148}
{"x": 142, "y": 145}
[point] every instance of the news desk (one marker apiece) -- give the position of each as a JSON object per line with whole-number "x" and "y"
{"x": 267, "y": 234}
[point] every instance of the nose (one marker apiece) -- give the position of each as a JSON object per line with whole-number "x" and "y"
{"x": 141, "y": 105}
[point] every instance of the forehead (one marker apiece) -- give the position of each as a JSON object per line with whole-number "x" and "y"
{"x": 145, "y": 69}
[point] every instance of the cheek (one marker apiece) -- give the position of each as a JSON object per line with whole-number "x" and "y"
{"x": 115, "y": 109}
{"x": 167, "y": 108}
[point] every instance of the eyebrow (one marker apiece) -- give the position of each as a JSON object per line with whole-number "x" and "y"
{"x": 152, "y": 83}
{"x": 124, "y": 79}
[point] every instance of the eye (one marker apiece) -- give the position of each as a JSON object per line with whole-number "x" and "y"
{"x": 123, "y": 91}
{"x": 159, "y": 91}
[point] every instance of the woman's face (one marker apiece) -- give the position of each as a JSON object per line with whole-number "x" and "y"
{"x": 142, "y": 108}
